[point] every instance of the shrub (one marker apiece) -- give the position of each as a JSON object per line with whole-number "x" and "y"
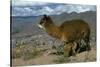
{"x": 16, "y": 53}
{"x": 62, "y": 59}
{"x": 60, "y": 50}
{"x": 30, "y": 53}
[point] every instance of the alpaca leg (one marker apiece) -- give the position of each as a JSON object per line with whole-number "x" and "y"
{"x": 88, "y": 47}
{"x": 67, "y": 49}
{"x": 74, "y": 46}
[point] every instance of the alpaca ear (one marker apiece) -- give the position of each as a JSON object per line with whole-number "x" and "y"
{"x": 45, "y": 16}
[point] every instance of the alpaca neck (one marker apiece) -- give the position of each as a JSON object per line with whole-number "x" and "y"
{"x": 53, "y": 30}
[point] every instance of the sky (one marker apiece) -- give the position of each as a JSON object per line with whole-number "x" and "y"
{"x": 33, "y": 8}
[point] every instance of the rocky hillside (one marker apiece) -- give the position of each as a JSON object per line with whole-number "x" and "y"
{"x": 31, "y": 45}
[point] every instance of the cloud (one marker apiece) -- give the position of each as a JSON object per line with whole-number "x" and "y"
{"x": 74, "y": 8}
{"x": 31, "y": 8}
{"x": 27, "y": 11}
{"x": 27, "y": 3}
{"x": 18, "y": 11}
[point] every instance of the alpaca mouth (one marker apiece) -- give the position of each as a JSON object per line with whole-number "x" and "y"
{"x": 40, "y": 26}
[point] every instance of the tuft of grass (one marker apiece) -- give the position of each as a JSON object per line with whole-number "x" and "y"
{"x": 62, "y": 59}
{"x": 16, "y": 53}
{"x": 60, "y": 50}
{"x": 25, "y": 52}
{"x": 29, "y": 54}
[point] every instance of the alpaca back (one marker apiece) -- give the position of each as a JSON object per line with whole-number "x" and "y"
{"x": 74, "y": 29}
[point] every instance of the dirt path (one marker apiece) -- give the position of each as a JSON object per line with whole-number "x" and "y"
{"x": 44, "y": 59}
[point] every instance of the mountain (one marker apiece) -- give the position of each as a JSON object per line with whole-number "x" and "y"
{"x": 27, "y": 25}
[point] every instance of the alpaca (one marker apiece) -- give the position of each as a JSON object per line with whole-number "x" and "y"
{"x": 71, "y": 33}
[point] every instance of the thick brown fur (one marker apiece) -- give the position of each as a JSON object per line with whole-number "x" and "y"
{"x": 69, "y": 32}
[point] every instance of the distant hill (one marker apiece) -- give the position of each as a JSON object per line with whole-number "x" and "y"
{"x": 25, "y": 26}
{"x": 88, "y": 16}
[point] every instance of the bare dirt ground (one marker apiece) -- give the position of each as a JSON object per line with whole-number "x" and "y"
{"x": 47, "y": 58}
{"x": 40, "y": 50}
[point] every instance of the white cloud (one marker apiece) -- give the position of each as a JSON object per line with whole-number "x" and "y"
{"x": 27, "y": 11}
{"x": 21, "y": 8}
{"x": 26, "y": 3}
{"x": 75, "y": 8}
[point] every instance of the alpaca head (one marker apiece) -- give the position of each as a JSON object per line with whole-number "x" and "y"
{"x": 45, "y": 20}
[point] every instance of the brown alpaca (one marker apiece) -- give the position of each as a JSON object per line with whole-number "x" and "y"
{"x": 70, "y": 32}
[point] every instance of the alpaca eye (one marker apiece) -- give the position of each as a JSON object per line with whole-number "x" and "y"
{"x": 41, "y": 22}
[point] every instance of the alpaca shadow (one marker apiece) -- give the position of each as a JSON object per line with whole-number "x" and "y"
{"x": 82, "y": 49}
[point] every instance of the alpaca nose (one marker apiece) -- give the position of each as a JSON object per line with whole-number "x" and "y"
{"x": 39, "y": 26}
